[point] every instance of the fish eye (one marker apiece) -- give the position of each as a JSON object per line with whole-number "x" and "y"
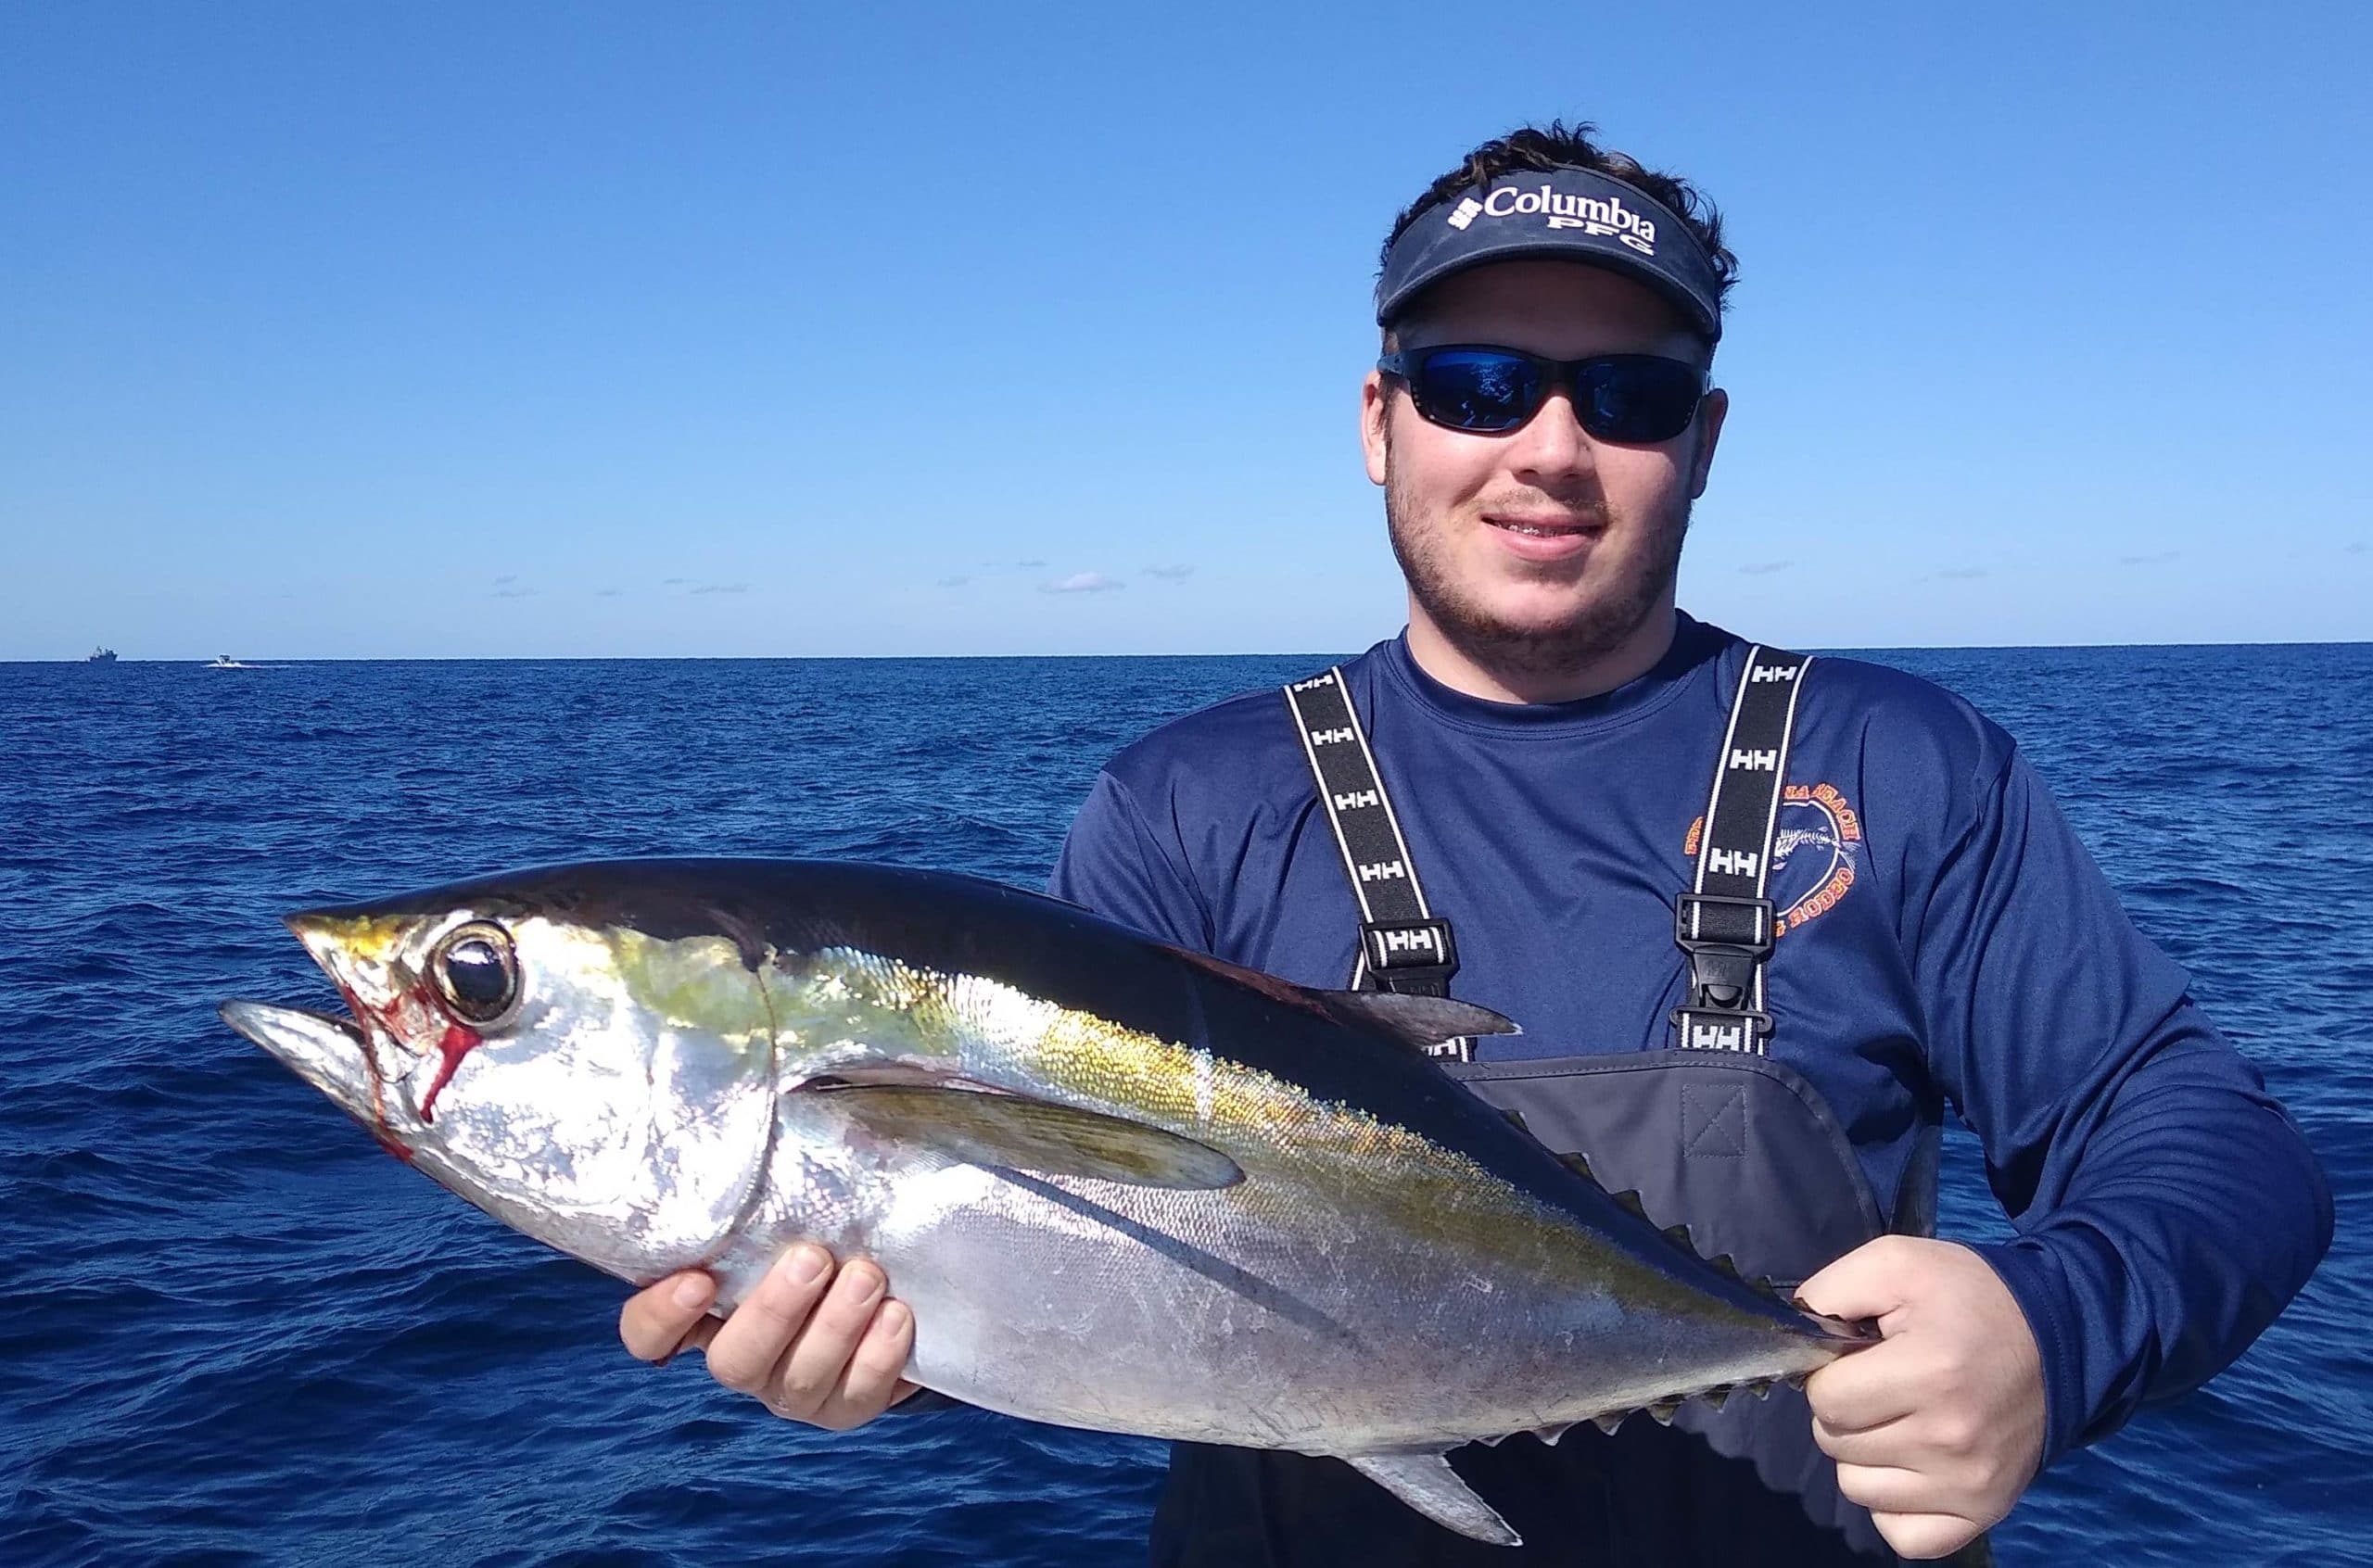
{"x": 477, "y": 969}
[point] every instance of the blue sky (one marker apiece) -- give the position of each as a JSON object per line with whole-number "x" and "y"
{"x": 465, "y": 330}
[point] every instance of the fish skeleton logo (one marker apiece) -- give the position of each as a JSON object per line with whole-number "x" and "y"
{"x": 1815, "y": 847}
{"x": 1609, "y": 218}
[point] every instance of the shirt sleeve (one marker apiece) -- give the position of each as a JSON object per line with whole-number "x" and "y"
{"x": 1113, "y": 863}
{"x": 2167, "y": 1207}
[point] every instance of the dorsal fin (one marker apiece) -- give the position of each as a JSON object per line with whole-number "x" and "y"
{"x": 1418, "y": 1021}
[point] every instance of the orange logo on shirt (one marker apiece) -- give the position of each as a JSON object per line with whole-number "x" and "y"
{"x": 1814, "y": 847}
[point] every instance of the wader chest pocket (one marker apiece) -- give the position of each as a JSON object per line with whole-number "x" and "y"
{"x": 1738, "y": 1147}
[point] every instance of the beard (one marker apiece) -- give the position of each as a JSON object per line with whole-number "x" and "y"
{"x": 1595, "y": 626}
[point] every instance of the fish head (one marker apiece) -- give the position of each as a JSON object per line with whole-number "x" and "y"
{"x": 603, "y": 1088}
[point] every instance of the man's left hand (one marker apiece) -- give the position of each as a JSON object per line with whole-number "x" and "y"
{"x": 1939, "y": 1428}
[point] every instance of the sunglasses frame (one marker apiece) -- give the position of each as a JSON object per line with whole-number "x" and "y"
{"x": 1406, "y": 364}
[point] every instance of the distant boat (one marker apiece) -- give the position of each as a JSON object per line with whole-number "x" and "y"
{"x": 99, "y": 656}
{"x": 224, "y": 662}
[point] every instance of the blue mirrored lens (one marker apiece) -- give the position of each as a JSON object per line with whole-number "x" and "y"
{"x": 1636, "y": 398}
{"x": 1470, "y": 389}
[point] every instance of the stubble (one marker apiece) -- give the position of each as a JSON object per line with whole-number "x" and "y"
{"x": 1597, "y": 626}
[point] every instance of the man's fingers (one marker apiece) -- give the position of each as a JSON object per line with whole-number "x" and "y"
{"x": 1866, "y": 1282}
{"x": 743, "y": 1354}
{"x": 656, "y": 1318}
{"x": 872, "y": 1383}
{"x": 1922, "y": 1536}
{"x": 1871, "y": 1445}
{"x": 1862, "y": 1391}
{"x": 1885, "y": 1489}
{"x": 819, "y": 1356}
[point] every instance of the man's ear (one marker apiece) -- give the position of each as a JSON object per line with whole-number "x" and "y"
{"x": 1711, "y": 410}
{"x": 1376, "y": 407}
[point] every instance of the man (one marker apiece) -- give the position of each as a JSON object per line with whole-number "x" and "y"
{"x": 1923, "y": 929}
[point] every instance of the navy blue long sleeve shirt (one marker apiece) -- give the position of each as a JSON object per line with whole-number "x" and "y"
{"x": 1943, "y": 935}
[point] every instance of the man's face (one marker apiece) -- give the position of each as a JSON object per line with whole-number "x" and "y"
{"x": 1538, "y": 549}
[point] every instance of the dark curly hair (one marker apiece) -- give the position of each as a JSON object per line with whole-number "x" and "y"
{"x": 1540, "y": 148}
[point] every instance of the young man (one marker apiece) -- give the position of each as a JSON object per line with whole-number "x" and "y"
{"x": 1919, "y": 927}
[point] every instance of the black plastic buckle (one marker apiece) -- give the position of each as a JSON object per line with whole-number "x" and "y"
{"x": 1721, "y": 967}
{"x": 1399, "y": 950}
{"x": 1757, "y": 942}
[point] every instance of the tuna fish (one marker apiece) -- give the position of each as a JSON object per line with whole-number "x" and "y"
{"x": 1123, "y": 1186}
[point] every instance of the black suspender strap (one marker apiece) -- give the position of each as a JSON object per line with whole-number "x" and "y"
{"x": 1403, "y": 946}
{"x": 1724, "y": 923}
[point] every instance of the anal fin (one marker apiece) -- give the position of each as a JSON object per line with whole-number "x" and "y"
{"x": 1426, "y": 1483}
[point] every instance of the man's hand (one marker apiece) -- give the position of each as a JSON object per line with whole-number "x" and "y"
{"x": 1939, "y": 1428}
{"x": 811, "y": 1345}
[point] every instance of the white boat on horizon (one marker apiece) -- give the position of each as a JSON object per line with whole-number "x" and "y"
{"x": 224, "y": 662}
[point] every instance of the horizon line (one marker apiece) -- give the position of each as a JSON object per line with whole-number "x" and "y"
{"x": 286, "y": 660}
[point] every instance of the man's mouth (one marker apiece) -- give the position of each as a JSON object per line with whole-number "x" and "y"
{"x": 1542, "y": 527}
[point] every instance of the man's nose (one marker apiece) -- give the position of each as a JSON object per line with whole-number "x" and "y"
{"x": 1552, "y": 445}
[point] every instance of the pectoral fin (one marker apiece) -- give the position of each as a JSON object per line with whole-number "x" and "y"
{"x": 981, "y": 1127}
{"x": 1426, "y": 1483}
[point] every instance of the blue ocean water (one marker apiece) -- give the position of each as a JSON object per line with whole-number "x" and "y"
{"x": 232, "y": 1331}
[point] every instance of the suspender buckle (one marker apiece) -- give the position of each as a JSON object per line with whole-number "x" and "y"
{"x": 1726, "y": 939}
{"x": 1402, "y": 951}
{"x": 1718, "y": 919}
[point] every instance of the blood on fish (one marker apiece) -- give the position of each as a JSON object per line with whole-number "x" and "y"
{"x": 453, "y": 1045}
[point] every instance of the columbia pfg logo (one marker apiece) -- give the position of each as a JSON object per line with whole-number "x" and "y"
{"x": 1609, "y": 218}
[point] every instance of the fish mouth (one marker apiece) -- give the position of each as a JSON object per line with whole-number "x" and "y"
{"x": 330, "y": 1054}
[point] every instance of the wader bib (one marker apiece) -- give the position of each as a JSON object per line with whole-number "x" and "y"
{"x": 1711, "y": 1132}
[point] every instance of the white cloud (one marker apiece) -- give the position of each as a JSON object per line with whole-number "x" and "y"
{"x": 1765, "y": 568}
{"x": 1082, "y": 582}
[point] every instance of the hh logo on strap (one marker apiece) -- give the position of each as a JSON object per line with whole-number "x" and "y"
{"x": 1816, "y": 853}
{"x": 1717, "y": 1037}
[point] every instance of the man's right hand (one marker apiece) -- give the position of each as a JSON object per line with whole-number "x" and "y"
{"x": 812, "y": 1343}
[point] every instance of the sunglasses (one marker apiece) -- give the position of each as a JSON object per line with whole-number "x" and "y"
{"x": 1635, "y": 399}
